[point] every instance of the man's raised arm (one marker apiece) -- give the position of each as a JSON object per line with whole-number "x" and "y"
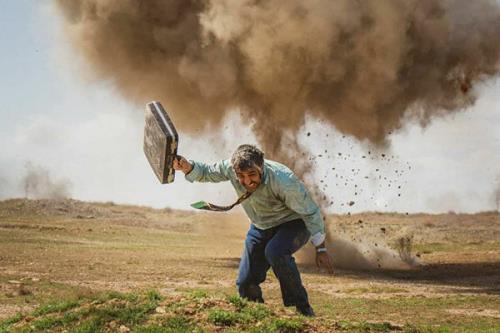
{"x": 201, "y": 172}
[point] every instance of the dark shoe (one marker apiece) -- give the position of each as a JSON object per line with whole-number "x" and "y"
{"x": 256, "y": 300}
{"x": 306, "y": 311}
{"x": 254, "y": 294}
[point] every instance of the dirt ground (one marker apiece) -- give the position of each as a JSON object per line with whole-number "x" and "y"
{"x": 444, "y": 271}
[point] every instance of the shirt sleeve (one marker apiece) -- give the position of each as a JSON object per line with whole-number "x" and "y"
{"x": 298, "y": 199}
{"x": 213, "y": 173}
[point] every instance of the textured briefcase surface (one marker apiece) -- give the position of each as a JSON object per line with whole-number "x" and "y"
{"x": 160, "y": 142}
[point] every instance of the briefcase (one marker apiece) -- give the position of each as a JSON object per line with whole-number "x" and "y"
{"x": 160, "y": 142}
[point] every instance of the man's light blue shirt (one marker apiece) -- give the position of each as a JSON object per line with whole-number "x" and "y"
{"x": 281, "y": 197}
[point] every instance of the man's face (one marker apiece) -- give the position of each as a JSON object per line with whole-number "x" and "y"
{"x": 249, "y": 178}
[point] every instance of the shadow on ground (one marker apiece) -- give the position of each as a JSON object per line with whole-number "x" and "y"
{"x": 480, "y": 277}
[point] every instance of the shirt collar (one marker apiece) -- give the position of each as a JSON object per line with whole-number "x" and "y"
{"x": 265, "y": 174}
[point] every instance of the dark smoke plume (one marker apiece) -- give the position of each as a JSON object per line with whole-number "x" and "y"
{"x": 38, "y": 184}
{"x": 363, "y": 66}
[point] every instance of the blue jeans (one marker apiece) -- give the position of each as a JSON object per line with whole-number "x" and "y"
{"x": 273, "y": 248}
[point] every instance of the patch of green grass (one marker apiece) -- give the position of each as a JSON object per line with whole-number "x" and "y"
{"x": 44, "y": 324}
{"x": 110, "y": 295}
{"x": 222, "y": 317}
{"x": 92, "y": 314}
{"x": 154, "y": 296}
{"x": 70, "y": 317}
{"x": 364, "y": 326}
{"x": 125, "y": 313}
{"x": 410, "y": 329}
{"x": 88, "y": 326}
{"x": 245, "y": 313}
{"x": 288, "y": 325}
{"x": 152, "y": 329}
{"x": 129, "y": 310}
{"x": 281, "y": 325}
{"x": 237, "y": 301}
{"x": 357, "y": 305}
{"x": 257, "y": 311}
{"x": 48, "y": 317}
{"x": 177, "y": 306}
{"x": 198, "y": 294}
{"x": 59, "y": 306}
{"x": 5, "y": 324}
{"x": 155, "y": 329}
{"x": 177, "y": 324}
{"x": 48, "y": 322}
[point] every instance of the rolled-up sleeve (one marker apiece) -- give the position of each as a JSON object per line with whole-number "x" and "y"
{"x": 212, "y": 173}
{"x": 298, "y": 199}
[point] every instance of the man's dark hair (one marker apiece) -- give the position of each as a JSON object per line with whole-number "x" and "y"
{"x": 246, "y": 157}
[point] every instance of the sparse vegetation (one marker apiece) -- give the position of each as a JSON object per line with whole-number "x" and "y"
{"x": 152, "y": 312}
{"x": 352, "y": 326}
{"x": 138, "y": 313}
{"x": 86, "y": 267}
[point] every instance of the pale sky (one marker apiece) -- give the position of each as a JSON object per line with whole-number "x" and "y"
{"x": 53, "y": 116}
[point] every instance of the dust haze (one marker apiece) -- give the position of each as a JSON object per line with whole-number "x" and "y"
{"x": 495, "y": 196}
{"x": 37, "y": 183}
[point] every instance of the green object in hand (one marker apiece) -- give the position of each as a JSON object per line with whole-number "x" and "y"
{"x": 215, "y": 208}
{"x": 200, "y": 205}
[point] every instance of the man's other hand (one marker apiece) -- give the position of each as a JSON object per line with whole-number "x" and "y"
{"x": 180, "y": 163}
{"x": 323, "y": 261}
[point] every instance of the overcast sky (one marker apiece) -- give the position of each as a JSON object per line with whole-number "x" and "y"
{"x": 84, "y": 133}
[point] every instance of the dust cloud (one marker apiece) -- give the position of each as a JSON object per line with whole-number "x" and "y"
{"x": 37, "y": 183}
{"x": 370, "y": 255}
{"x": 363, "y": 67}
